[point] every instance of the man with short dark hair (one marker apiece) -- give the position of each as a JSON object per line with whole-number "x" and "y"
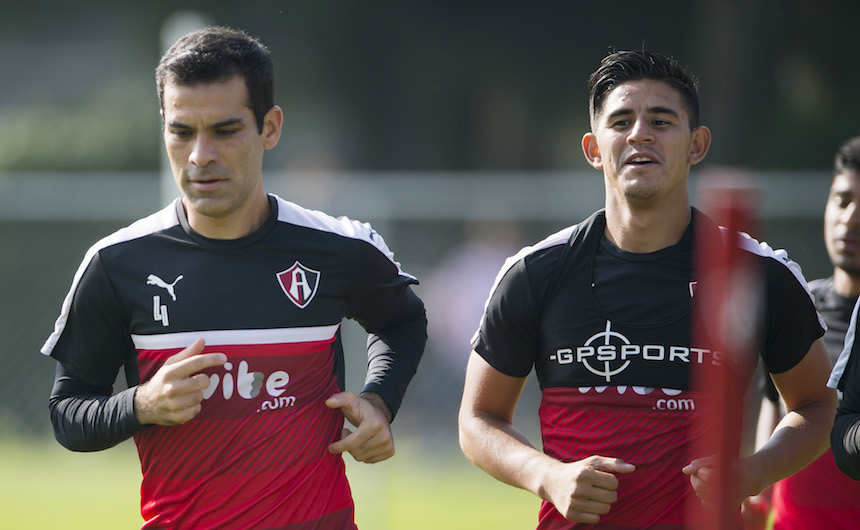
{"x": 224, "y": 309}
{"x": 819, "y": 495}
{"x": 845, "y": 438}
{"x": 602, "y": 312}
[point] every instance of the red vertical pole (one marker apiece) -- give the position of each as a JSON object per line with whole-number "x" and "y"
{"x": 725, "y": 322}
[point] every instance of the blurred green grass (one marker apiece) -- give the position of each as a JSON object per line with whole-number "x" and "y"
{"x": 44, "y": 486}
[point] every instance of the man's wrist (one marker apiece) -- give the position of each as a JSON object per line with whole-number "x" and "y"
{"x": 376, "y": 400}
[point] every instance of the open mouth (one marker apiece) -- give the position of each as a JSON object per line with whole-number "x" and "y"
{"x": 640, "y": 160}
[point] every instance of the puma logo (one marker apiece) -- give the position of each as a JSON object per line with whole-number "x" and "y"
{"x": 152, "y": 279}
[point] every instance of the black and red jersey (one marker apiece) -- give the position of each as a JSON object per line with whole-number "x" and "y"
{"x": 608, "y": 334}
{"x": 273, "y": 301}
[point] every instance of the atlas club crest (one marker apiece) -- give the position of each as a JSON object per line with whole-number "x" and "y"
{"x": 299, "y": 283}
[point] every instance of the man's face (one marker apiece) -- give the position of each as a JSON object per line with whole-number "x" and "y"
{"x": 642, "y": 141}
{"x": 214, "y": 146}
{"x": 842, "y": 222}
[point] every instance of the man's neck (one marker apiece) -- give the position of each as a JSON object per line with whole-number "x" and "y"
{"x": 234, "y": 226}
{"x": 646, "y": 230}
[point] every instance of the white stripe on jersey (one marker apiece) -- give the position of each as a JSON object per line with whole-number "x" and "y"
{"x": 160, "y": 220}
{"x": 292, "y": 213}
{"x": 558, "y": 238}
{"x": 753, "y": 246}
{"x": 234, "y": 337}
{"x": 842, "y": 361}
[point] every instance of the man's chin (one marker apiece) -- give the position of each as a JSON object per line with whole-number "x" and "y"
{"x": 208, "y": 206}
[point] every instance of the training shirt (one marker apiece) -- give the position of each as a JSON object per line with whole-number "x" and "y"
{"x": 273, "y": 301}
{"x": 819, "y": 495}
{"x": 608, "y": 334}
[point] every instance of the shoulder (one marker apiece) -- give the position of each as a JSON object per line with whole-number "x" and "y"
{"x": 773, "y": 257}
{"x": 157, "y": 222}
{"x": 541, "y": 259}
{"x": 344, "y": 227}
{"x": 291, "y": 213}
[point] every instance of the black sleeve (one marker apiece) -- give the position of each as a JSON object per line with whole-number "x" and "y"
{"x": 90, "y": 419}
{"x": 393, "y": 353}
{"x": 791, "y": 321}
{"x": 92, "y": 346}
{"x": 845, "y": 441}
{"x": 394, "y": 316}
{"x": 508, "y": 336}
{"x": 845, "y": 436}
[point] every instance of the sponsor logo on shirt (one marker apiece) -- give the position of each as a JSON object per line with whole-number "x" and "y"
{"x": 247, "y": 384}
{"x": 159, "y": 310}
{"x": 608, "y": 353}
{"x": 667, "y": 399}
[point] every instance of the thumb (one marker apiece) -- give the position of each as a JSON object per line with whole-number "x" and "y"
{"x": 342, "y": 400}
{"x": 699, "y": 463}
{"x": 613, "y": 465}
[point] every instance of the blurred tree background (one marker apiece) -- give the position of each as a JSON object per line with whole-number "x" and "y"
{"x": 444, "y": 85}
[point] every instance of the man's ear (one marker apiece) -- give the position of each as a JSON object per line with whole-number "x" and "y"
{"x": 272, "y": 122}
{"x": 591, "y": 151}
{"x": 700, "y": 142}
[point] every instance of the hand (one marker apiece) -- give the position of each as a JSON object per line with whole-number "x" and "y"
{"x": 372, "y": 441}
{"x": 584, "y": 490}
{"x": 174, "y": 394}
{"x": 703, "y": 472}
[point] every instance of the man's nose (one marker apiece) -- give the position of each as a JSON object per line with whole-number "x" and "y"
{"x": 203, "y": 151}
{"x": 640, "y": 132}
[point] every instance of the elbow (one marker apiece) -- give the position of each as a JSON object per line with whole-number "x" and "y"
{"x": 62, "y": 433}
{"x": 68, "y": 433}
{"x": 69, "y": 443}
{"x": 465, "y": 434}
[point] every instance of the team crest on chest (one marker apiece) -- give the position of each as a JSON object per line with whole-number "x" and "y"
{"x": 299, "y": 283}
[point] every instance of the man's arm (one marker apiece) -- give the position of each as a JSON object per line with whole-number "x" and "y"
{"x": 88, "y": 418}
{"x": 845, "y": 436}
{"x": 581, "y": 491}
{"x": 393, "y": 353}
{"x": 845, "y": 439}
{"x": 800, "y": 437}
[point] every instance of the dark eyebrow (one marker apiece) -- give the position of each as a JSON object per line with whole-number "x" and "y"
{"x": 225, "y": 123}
{"x": 664, "y": 110}
{"x": 651, "y": 110}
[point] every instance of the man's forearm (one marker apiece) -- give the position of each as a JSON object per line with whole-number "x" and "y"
{"x": 501, "y": 450}
{"x": 93, "y": 423}
{"x": 393, "y": 357}
{"x": 799, "y": 438}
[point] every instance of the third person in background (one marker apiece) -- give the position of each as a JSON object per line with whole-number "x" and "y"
{"x": 820, "y": 496}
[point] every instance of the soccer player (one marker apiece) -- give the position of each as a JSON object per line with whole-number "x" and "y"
{"x": 843, "y": 241}
{"x": 602, "y": 312}
{"x": 224, "y": 310}
{"x": 819, "y": 496}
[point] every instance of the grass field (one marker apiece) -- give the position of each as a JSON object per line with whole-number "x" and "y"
{"x": 44, "y": 486}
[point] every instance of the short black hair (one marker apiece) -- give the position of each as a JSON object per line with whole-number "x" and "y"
{"x": 847, "y": 156}
{"x": 217, "y": 53}
{"x": 622, "y": 66}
